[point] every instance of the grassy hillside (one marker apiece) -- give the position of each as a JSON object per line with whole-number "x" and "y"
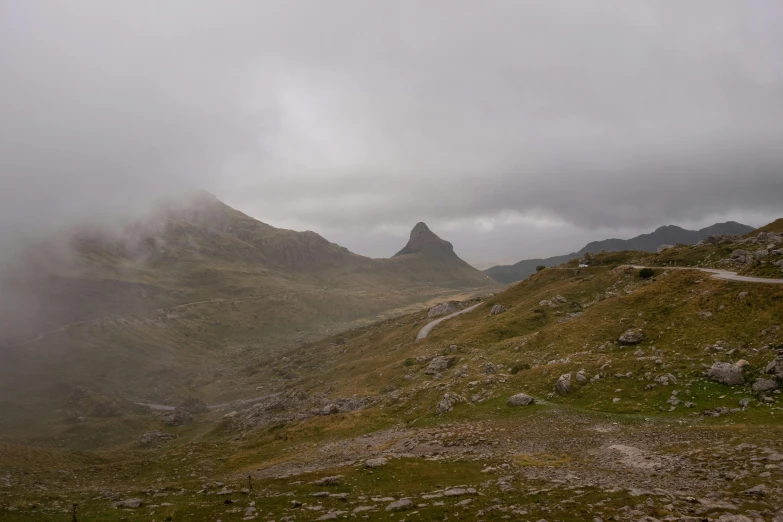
{"x": 647, "y": 432}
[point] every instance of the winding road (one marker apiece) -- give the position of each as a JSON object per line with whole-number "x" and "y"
{"x": 714, "y": 272}
{"x": 424, "y": 332}
{"x": 720, "y": 274}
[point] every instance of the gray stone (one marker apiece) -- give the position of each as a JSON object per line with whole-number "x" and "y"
{"x": 375, "y": 463}
{"x": 329, "y": 481}
{"x": 757, "y": 491}
{"x": 129, "y": 503}
{"x": 497, "y": 309}
{"x": 447, "y": 403}
{"x": 581, "y": 378}
{"x": 400, "y": 505}
{"x": 153, "y": 437}
{"x": 744, "y": 403}
{"x": 632, "y": 336}
{"x": 439, "y": 364}
{"x": 726, "y": 373}
{"x": 459, "y": 492}
{"x": 490, "y": 368}
{"x": 764, "y": 385}
{"x": 563, "y": 384}
{"x": 442, "y": 309}
{"x": 775, "y": 367}
{"x": 520, "y": 399}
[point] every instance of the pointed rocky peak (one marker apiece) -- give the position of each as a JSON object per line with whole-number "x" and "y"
{"x": 425, "y": 241}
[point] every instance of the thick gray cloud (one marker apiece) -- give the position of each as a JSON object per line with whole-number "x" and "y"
{"x": 514, "y": 128}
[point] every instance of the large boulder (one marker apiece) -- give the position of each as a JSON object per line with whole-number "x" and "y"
{"x": 563, "y": 384}
{"x": 520, "y": 399}
{"x": 775, "y": 367}
{"x": 632, "y": 336}
{"x": 765, "y": 385}
{"x": 726, "y": 373}
{"x": 442, "y": 309}
{"x": 439, "y": 364}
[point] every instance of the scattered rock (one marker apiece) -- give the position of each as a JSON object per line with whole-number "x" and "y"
{"x": 490, "y": 368}
{"x": 442, "y": 309}
{"x": 459, "y": 492}
{"x": 726, "y": 373}
{"x": 439, "y": 364}
{"x": 764, "y": 385}
{"x": 520, "y": 399}
{"x": 497, "y": 309}
{"x": 375, "y": 463}
{"x": 328, "y": 481}
{"x": 400, "y": 505}
{"x": 176, "y": 417}
{"x": 153, "y": 437}
{"x": 563, "y": 384}
{"x": 447, "y": 403}
{"x": 775, "y": 367}
{"x": 632, "y": 336}
{"x": 756, "y": 491}
{"x": 129, "y": 503}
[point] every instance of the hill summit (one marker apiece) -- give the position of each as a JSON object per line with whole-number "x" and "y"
{"x": 425, "y": 241}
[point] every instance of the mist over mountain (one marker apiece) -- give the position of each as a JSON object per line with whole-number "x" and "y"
{"x": 665, "y": 235}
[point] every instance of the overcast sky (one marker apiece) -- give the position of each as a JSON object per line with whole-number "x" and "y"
{"x": 514, "y": 129}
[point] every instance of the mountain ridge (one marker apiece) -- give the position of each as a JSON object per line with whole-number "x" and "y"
{"x": 664, "y": 235}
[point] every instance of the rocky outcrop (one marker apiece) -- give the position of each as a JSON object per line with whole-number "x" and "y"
{"x": 447, "y": 403}
{"x": 497, "y": 309}
{"x": 775, "y": 367}
{"x": 726, "y": 373}
{"x": 632, "y": 336}
{"x": 401, "y": 505}
{"x": 375, "y": 463}
{"x": 442, "y": 309}
{"x": 563, "y": 384}
{"x": 439, "y": 364}
{"x": 520, "y": 399}
{"x": 764, "y": 385}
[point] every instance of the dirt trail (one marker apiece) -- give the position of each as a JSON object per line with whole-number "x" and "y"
{"x": 720, "y": 274}
{"x": 424, "y": 332}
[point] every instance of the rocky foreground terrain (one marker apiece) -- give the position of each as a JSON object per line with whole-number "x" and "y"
{"x": 599, "y": 393}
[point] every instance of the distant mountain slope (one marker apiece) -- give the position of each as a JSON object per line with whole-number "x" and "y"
{"x": 665, "y": 235}
{"x": 207, "y": 250}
